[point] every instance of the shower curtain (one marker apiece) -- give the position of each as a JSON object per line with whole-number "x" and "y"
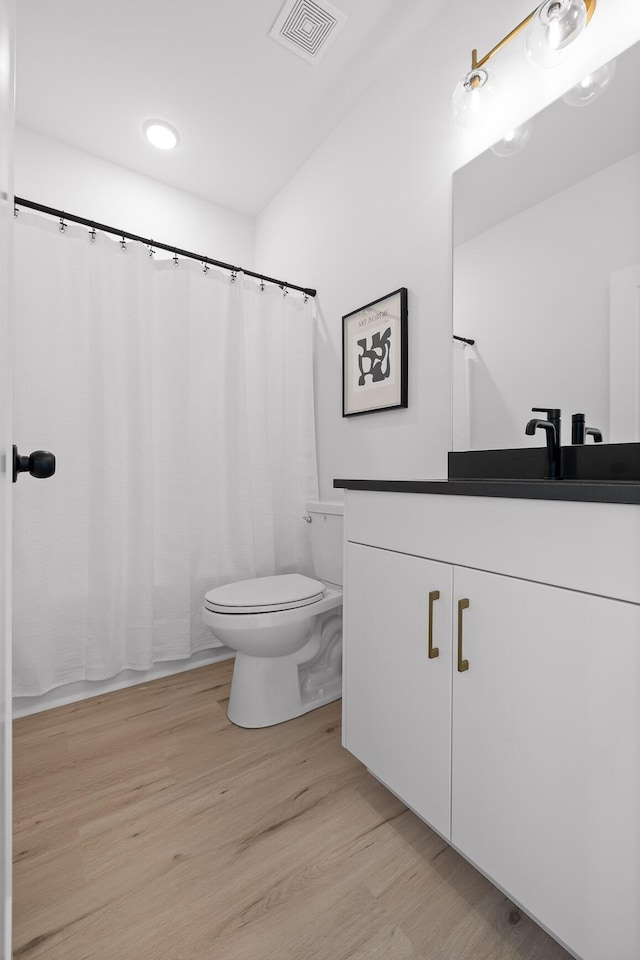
{"x": 179, "y": 404}
{"x": 465, "y": 365}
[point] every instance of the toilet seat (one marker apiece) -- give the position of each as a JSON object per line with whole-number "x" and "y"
{"x": 264, "y": 594}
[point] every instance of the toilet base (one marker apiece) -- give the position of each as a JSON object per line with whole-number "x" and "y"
{"x": 270, "y": 690}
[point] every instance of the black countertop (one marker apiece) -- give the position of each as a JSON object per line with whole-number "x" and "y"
{"x": 614, "y": 491}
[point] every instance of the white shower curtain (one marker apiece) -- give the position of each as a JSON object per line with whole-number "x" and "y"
{"x": 465, "y": 365}
{"x": 179, "y": 405}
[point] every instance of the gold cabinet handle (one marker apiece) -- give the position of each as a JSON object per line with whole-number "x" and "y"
{"x": 462, "y": 664}
{"x": 433, "y": 651}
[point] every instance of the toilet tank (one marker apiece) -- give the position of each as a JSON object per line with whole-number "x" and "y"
{"x": 326, "y": 539}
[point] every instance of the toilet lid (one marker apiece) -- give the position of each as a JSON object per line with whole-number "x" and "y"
{"x": 264, "y": 594}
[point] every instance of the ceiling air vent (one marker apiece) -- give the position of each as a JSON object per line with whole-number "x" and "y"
{"x": 307, "y": 28}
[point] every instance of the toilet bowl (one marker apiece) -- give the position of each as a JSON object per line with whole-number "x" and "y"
{"x": 286, "y": 631}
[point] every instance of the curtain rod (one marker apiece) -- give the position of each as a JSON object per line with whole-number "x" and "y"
{"x": 20, "y": 202}
{"x": 464, "y": 340}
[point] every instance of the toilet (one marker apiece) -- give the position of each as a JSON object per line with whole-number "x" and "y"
{"x": 286, "y": 631}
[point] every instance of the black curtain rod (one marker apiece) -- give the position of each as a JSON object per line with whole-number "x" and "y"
{"x": 20, "y": 202}
{"x": 464, "y": 340}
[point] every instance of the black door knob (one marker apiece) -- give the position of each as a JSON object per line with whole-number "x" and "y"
{"x": 40, "y": 464}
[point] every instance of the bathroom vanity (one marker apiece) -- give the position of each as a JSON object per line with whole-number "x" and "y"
{"x": 492, "y": 682}
{"x": 491, "y": 671}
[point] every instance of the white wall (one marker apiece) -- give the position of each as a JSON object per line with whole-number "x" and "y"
{"x": 371, "y": 211}
{"x": 57, "y": 175}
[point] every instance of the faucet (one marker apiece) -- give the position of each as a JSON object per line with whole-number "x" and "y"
{"x": 551, "y": 426}
{"x": 579, "y": 432}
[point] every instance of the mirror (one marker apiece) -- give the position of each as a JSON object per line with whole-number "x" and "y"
{"x": 547, "y": 274}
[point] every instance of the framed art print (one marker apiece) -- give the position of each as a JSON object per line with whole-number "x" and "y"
{"x": 374, "y": 356}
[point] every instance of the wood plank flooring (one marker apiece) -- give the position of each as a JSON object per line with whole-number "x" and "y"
{"x": 148, "y": 827}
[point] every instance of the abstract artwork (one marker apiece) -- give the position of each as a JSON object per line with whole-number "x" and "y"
{"x": 374, "y": 355}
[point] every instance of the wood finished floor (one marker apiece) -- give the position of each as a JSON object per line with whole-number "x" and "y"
{"x": 148, "y": 827}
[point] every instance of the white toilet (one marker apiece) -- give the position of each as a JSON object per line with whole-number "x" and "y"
{"x": 286, "y": 631}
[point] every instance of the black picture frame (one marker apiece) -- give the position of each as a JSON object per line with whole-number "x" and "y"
{"x": 375, "y": 356}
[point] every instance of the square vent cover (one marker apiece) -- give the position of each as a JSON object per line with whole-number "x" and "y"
{"x": 307, "y": 28}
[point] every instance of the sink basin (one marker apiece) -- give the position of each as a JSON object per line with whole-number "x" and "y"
{"x": 601, "y": 461}
{"x": 588, "y": 462}
{"x": 521, "y": 463}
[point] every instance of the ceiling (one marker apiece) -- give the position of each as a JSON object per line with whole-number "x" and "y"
{"x": 249, "y": 111}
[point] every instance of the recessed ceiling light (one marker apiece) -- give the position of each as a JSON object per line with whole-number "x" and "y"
{"x": 161, "y": 134}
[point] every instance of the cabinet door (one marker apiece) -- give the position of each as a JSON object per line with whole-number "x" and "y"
{"x": 546, "y": 756}
{"x": 397, "y": 699}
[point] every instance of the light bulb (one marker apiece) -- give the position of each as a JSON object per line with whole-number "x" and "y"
{"x": 161, "y": 134}
{"x": 590, "y": 88}
{"x": 513, "y": 140}
{"x": 469, "y": 97}
{"x": 554, "y": 26}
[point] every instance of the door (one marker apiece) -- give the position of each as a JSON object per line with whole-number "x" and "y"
{"x": 546, "y": 756}
{"x": 397, "y": 702}
{"x": 6, "y": 233}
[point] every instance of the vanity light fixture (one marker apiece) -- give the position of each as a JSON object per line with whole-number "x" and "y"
{"x": 551, "y": 28}
{"x": 591, "y": 87}
{"x": 514, "y": 140}
{"x": 162, "y": 135}
{"x": 554, "y": 26}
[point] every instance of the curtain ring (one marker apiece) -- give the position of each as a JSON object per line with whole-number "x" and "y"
{"x": 306, "y": 298}
{"x": 63, "y": 225}
{"x": 175, "y": 259}
{"x": 151, "y": 250}
{"x": 234, "y": 276}
{"x": 262, "y": 285}
{"x": 92, "y": 234}
{"x": 15, "y": 211}
{"x": 205, "y": 268}
{"x": 123, "y": 243}
{"x": 285, "y": 292}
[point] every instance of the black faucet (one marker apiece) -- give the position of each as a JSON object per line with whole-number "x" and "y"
{"x": 551, "y": 426}
{"x": 579, "y": 432}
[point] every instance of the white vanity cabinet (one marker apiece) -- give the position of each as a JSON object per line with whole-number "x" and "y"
{"x": 546, "y": 756}
{"x": 536, "y": 746}
{"x": 398, "y": 663}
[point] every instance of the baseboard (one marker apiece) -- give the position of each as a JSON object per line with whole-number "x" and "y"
{"x": 84, "y": 689}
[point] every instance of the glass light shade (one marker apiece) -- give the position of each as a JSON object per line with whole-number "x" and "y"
{"x": 513, "y": 141}
{"x": 591, "y": 87}
{"x": 161, "y": 134}
{"x": 469, "y": 98}
{"x": 555, "y": 25}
